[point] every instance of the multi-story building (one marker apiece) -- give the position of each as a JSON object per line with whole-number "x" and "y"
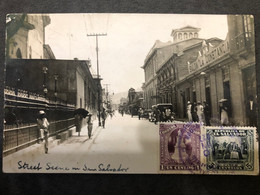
{"x": 162, "y": 64}
{"x": 223, "y": 71}
{"x": 26, "y": 35}
{"x": 199, "y": 70}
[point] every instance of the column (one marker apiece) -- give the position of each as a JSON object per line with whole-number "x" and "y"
{"x": 237, "y": 95}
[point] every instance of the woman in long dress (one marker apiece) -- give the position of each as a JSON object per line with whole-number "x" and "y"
{"x": 189, "y": 111}
{"x": 78, "y": 122}
{"x": 200, "y": 113}
{"x": 90, "y": 125}
{"x": 223, "y": 112}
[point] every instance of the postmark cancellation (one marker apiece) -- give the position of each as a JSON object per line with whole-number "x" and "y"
{"x": 192, "y": 148}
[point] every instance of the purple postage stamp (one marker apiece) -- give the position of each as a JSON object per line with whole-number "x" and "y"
{"x": 179, "y": 147}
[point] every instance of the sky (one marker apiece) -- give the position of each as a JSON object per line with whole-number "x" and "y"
{"x": 128, "y": 41}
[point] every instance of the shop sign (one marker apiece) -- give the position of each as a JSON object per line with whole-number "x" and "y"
{"x": 210, "y": 56}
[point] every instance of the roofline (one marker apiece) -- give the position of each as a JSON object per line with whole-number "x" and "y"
{"x": 154, "y": 49}
{"x": 146, "y": 59}
{"x": 181, "y": 29}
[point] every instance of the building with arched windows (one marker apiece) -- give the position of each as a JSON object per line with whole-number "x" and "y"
{"x": 208, "y": 70}
{"x": 187, "y": 32}
{"x": 158, "y": 86}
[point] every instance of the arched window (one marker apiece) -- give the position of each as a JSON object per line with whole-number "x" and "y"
{"x": 191, "y": 35}
{"x": 180, "y": 36}
{"x": 185, "y": 36}
{"x": 18, "y": 53}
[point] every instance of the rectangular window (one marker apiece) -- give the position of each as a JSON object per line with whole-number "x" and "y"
{"x": 193, "y": 87}
{"x": 207, "y": 81}
{"x": 225, "y": 74}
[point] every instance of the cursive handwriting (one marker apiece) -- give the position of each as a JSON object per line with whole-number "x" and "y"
{"x": 105, "y": 168}
{"x": 27, "y": 166}
{"x": 52, "y": 167}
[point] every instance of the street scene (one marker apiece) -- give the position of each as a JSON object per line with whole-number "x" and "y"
{"x": 138, "y": 143}
{"x": 86, "y": 93}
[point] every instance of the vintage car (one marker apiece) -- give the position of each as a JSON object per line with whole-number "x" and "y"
{"x": 163, "y": 112}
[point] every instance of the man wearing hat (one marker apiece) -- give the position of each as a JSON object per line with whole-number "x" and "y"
{"x": 43, "y": 126}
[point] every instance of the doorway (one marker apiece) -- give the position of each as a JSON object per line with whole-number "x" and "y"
{"x": 208, "y": 100}
{"x": 194, "y": 98}
{"x": 227, "y": 96}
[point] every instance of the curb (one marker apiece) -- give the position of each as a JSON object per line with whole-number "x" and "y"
{"x": 37, "y": 149}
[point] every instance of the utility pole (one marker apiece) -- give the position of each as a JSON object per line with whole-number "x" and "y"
{"x": 97, "y": 35}
{"x": 106, "y": 92}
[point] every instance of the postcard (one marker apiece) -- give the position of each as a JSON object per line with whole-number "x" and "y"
{"x": 130, "y": 93}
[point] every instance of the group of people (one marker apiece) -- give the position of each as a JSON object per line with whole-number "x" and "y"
{"x": 78, "y": 123}
{"x": 79, "y": 119}
{"x": 229, "y": 150}
{"x": 198, "y": 113}
{"x": 163, "y": 116}
{"x": 43, "y": 126}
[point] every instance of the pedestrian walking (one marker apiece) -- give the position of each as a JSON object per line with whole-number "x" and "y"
{"x": 103, "y": 117}
{"x": 207, "y": 113}
{"x": 43, "y": 126}
{"x": 194, "y": 112}
{"x": 157, "y": 115}
{"x": 200, "y": 112}
{"x": 78, "y": 122}
{"x": 189, "y": 111}
{"x": 251, "y": 111}
{"x": 90, "y": 125}
{"x": 140, "y": 112}
{"x": 223, "y": 109}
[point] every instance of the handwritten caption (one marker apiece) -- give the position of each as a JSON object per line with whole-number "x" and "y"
{"x": 102, "y": 167}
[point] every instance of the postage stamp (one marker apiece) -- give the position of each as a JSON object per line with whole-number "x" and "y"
{"x": 230, "y": 150}
{"x": 179, "y": 147}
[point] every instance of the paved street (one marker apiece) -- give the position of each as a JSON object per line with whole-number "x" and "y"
{"x": 127, "y": 145}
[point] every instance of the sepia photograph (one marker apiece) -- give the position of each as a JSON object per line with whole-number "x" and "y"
{"x": 87, "y": 93}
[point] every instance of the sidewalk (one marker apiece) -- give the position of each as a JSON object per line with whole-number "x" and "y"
{"x": 38, "y": 149}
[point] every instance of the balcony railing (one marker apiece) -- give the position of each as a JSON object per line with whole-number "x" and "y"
{"x": 20, "y": 97}
{"x": 244, "y": 40}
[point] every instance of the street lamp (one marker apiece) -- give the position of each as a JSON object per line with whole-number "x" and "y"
{"x": 202, "y": 74}
{"x": 45, "y": 90}
{"x": 56, "y": 76}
